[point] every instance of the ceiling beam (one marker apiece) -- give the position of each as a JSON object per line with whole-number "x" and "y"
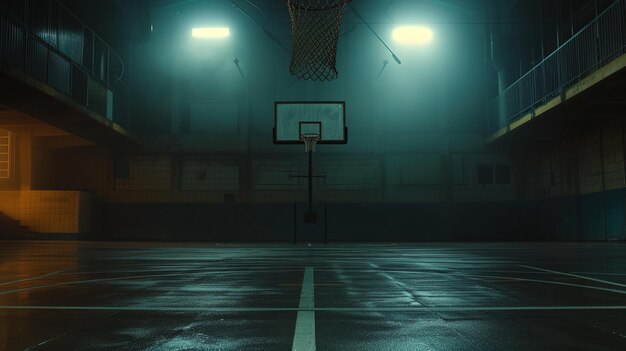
{"x": 174, "y": 4}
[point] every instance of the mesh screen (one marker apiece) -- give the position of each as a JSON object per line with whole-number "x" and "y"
{"x": 315, "y": 26}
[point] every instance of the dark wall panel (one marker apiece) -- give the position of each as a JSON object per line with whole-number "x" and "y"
{"x": 592, "y": 217}
{"x": 344, "y": 222}
{"x": 589, "y": 217}
{"x": 614, "y": 207}
{"x": 199, "y": 222}
{"x": 386, "y": 222}
{"x": 495, "y": 221}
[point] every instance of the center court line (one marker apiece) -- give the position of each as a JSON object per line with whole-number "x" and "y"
{"x": 304, "y": 336}
{"x": 575, "y": 276}
{"x": 310, "y": 334}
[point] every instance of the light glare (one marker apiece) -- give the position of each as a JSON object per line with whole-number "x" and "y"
{"x": 211, "y": 32}
{"x": 413, "y": 35}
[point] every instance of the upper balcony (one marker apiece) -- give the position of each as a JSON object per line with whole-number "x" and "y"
{"x": 581, "y": 81}
{"x": 54, "y": 68}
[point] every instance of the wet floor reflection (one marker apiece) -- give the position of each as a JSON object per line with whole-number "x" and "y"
{"x": 144, "y": 296}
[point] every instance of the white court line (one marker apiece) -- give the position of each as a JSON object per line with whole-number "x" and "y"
{"x": 148, "y": 276}
{"x": 91, "y": 281}
{"x": 185, "y": 271}
{"x": 547, "y": 282}
{"x": 35, "y": 277}
{"x": 304, "y": 336}
{"x": 418, "y": 309}
{"x": 575, "y": 276}
{"x": 600, "y": 273}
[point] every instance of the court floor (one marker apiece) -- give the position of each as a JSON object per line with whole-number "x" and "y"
{"x": 147, "y": 296}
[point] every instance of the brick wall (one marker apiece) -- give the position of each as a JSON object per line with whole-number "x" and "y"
{"x": 584, "y": 164}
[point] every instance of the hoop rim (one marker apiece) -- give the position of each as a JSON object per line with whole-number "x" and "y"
{"x": 310, "y": 141}
{"x": 326, "y": 8}
{"x": 306, "y": 136}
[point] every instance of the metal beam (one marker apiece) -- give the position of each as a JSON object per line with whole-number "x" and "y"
{"x": 175, "y": 4}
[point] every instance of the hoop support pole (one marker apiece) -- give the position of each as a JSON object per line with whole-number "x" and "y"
{"x": 310, "y": 181}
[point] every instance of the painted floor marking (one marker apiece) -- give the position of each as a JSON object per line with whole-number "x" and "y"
{"x": 576, "y": 276}
{"x": 35, "y": 277}
{"x": 546, "y": 282}
{"x": 600, "y": 273}
{"x": 417, "y": 309}
{"x": 91, "y": 281}
{"x": 304, "y": 336}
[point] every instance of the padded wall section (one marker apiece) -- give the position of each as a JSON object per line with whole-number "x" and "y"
{"x": 590, "y": 217}
{"x": 593, "y": 217}
{"x": 502, "y": 221}
{"x": 390, "y": 222}
{"x": 199, "y": 222}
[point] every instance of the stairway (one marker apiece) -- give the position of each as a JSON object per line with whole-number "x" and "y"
{"x": 11, "y": 229}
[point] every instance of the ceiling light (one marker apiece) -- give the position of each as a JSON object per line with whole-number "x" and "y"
{"x": 413, "y": 35}
{"x": 211, "y": 32}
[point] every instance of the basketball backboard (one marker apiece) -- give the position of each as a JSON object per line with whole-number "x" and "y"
{"x": 295, "y": 119}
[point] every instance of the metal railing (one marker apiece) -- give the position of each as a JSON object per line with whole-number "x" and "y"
{"x": 48, "y": 42}
{"x": 592, "y": 47}
{"x": 5, "y": 154}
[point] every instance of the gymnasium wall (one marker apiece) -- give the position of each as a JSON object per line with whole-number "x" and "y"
{"x": 573, "y": 188}
{"x": 578, "y": 183}
{"x": 222, "y": 178}
{"x": 204, "y": 113}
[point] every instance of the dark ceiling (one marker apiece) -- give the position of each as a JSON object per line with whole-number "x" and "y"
{"x": 376, "y": 10}
{"x": 132, "y": 19}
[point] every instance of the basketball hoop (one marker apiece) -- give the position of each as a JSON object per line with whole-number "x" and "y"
{"x": 310, "y": 141}
{"x": 315, "y": 26}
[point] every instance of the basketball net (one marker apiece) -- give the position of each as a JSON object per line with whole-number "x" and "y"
{"x": 310, "y": 141}
{"x": 315, "y": 27}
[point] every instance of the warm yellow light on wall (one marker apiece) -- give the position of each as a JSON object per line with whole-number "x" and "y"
{"x": 413, "y": 35}
{"x": 211, "y": 32}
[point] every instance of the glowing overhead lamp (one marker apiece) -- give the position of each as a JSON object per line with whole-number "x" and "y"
{"x": 413, "y": 35}
{"x": 211, "y": 32}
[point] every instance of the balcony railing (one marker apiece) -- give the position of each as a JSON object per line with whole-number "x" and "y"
{"x": 592, "y": 47}
{"x": 6, "y": 154}
{"x": 48, "y": 42}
